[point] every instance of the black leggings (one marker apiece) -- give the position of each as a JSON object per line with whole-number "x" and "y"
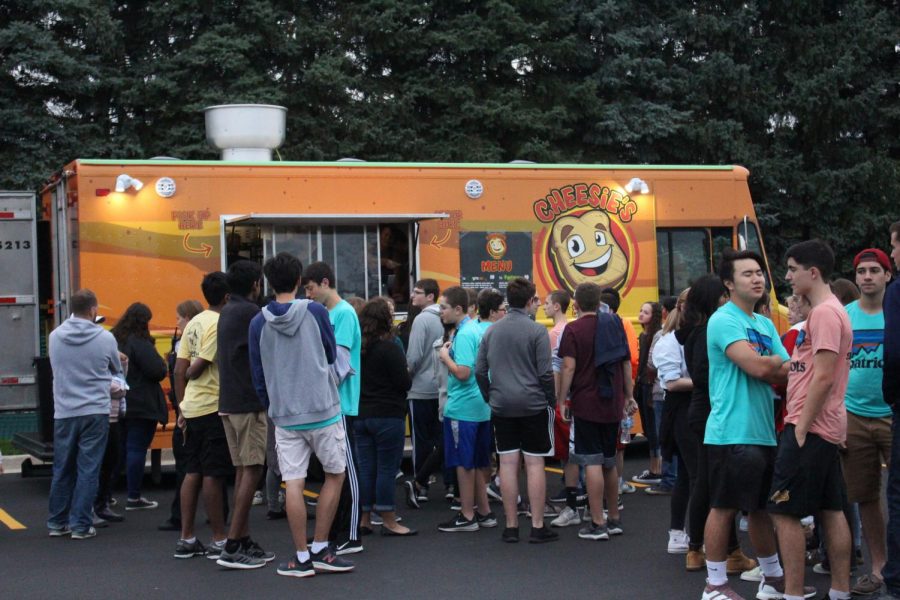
{"x": 648, "y": 418}
{"x": 686, "y": 448}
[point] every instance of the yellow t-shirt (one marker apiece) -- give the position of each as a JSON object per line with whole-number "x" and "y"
{"x": 201, "y": 396}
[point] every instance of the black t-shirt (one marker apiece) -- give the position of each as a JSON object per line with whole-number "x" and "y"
{"x": 236, "y": 392}
{"x": 384, "y": 382}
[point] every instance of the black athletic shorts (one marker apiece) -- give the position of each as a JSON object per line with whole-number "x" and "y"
{"x": 533, "y": 435}
{"x": 595, "y": 443}
{"x": 807, "y": 479}
{"x": 739, "y": 476}
{"x": 206, "y": 447}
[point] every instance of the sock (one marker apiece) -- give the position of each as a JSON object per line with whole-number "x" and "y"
{"x": 303, "y": 555}
{"x": 219, "y": 543}
{"x": 318, "y": 546}
{"x": 190, "y": 541}
{"x": 232, "y": 546}
{"x": 716, "y": 573}
{"x": 770, "y": 566}
{"x": 571, "y": 497}
{"x": 833, "y": 594}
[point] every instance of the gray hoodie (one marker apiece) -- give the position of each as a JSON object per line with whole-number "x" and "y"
{"x": 291, "y": 347}
{"x": 84, "y": 358}
{"x": 420, "y": 355}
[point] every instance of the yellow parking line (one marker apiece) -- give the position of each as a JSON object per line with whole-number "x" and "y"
{"x": 7, "y": 520}
{"x": 553, "y": 470}
{"x": 310, "y": 494}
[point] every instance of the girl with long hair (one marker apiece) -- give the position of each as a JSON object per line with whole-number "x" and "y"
{"x": 650, "y": 318}
{"x": 380, "y": 427}
{"x": 145, "y": 404}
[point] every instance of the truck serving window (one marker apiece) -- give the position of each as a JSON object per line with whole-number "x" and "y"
{"x": 682, "y": 256}
{"x": 372, "y": 255}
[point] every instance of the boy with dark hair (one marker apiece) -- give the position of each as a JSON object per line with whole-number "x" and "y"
{"x": 319, "y": 283}
{"x": 745, "y": 357}
{"x": 207, "y": 461}
{"x": 423, "y": 395}
{"x": 292, "y": 346}
{"x": 467, "y": 417}
{"x": 815, "y": 427}
{"x": 243, "y": 416}
{"x": 490, "y": 301}
{"x": 520, "y": 391}
{"x": 596, "y": 414}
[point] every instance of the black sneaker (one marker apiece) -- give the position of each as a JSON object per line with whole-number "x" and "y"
{"x": 450, "y": 493}
{"x": 107, "y": 514}
{"x": 647, "y": 478}
{"x": 412, "y": 497}
{"x": 349, "y": 547}
{"x": 459, "y": 523}
{"x": 274, "y": 515}
{"x": 185, "y": 549}
{"x": 169, "y": 525}
{"x": 559, "y": 498}
{"x": 456, "y": 505}
{"x": 594, "y": 532}
{"x": 614, "y": 526}
{"x": 239, "y": 560}
{"x": 60, "y": 531}
{"x": 326, "y": 561}
{"x": 295, "y": 568}
{"x": 140, "y": 504}
{"x": 510, "y": 535}
{"x": 254, "y": 550}
{"x": 541, "y": 535}
{"x": 493, "y": 492}
{"x": 487, "y": 521}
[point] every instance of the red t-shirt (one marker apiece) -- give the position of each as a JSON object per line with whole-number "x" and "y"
{"x": 578, "y": 342}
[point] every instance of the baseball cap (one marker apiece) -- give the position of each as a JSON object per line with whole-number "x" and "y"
{"x": 873, "y": 253}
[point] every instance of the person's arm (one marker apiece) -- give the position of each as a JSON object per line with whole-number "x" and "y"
{"x": 326, "y": 330}
{"x": 181, "y": 366}
{"x": 767, "y": 368}
{"x": 481, "y": 368}
{"x": 257, "y": 372}
{"x": 196, "y": 368}
{"x": 460, "y": 372}
{"x": 115, "y": 364}
{"x": 565, "y": 380}
{"x": 206, "y": 353}
{"x": 418, "y": 346}
{"x": 628, "y": 385}
{"x": 823, "y": 378}
{"x": 544, "y": 366}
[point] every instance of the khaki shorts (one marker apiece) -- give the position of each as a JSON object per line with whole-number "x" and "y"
{"x": 246, "y": 435}
{"x": 868, "y": 447}
{"x": 329, "y": 444}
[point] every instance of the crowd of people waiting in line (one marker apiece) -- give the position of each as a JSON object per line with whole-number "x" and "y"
{"x": 781, "y": 436}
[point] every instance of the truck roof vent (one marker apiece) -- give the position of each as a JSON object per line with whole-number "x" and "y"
{"x": 245, "y": 132}
{"x": 350, "y": 159}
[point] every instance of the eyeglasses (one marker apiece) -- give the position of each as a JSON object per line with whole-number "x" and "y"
{"x": 418, "y": 293}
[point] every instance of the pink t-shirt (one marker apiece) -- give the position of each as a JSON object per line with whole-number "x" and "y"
{"x": 827, "y": 328}
{"x": 555, "y": 332}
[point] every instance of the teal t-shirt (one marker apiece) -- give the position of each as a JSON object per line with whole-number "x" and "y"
{"x": 464, "y": 399}
{"x": 864, "y": 397}
{"x": 743, "y": 407}
{"x": 347, "y": 334}
{"x": 316, "y": 425}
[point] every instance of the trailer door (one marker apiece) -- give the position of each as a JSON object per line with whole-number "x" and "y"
{"x": 19, "y": 311}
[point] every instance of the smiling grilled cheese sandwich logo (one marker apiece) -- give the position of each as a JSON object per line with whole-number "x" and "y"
{"x": 587, "y": 240}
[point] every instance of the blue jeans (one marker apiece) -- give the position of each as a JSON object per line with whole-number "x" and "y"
{"x": 379, "y": 446}
{"x": 891, "y": 571}
{"x": 138, "y": 437}
{"x": 78, "y": 447}
{"x": 669, "y": 469}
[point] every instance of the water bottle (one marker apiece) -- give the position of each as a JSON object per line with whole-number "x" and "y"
{"x": 626, "y": 425}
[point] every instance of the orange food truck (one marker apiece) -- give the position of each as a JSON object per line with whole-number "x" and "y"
{"x": 148, "y": 230}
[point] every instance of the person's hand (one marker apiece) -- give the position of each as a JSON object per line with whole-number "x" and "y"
{"x": 445, "y": 352}
{"x": 800, "y": 436}
{"x": 181, "y": 422}
{"x": 631, "y": 406}
{"x": 564, "y": 413}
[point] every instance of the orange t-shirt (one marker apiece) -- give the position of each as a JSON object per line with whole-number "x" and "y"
{"x": 632, "y": 346}
{"x": 827, "y": 328}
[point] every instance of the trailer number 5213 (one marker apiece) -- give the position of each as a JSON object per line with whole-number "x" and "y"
{"x": 15, "y": 245}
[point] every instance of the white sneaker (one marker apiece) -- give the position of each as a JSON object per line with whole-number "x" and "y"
{"x": 258, "y": 498}
{"x": 566, "y": 517}
{"x": 626, "y": 488}
{"x": 754, "y": 574}
{"x": 744, "y": 525}
{"x": 678, "y": 541}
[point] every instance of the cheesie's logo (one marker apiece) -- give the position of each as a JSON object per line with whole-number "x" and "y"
{"x": 496, "y": 248}
{"x": 586, "y": 239}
